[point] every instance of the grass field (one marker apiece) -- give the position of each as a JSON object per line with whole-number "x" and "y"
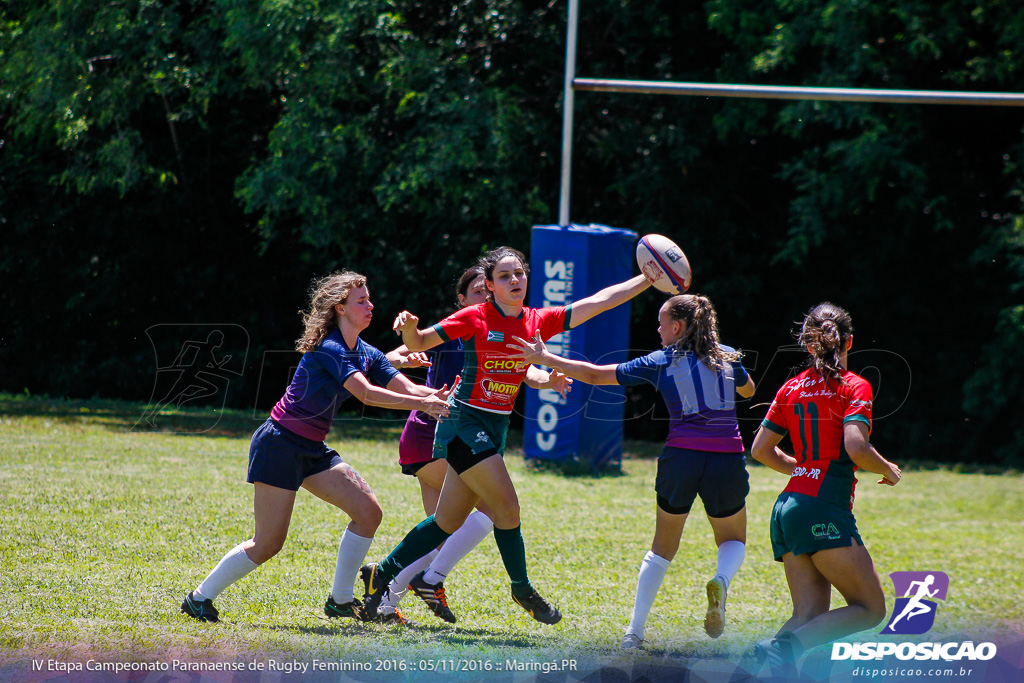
{"x": 104, "y": 528}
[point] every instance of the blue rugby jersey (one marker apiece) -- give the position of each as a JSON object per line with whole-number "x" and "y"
{"x": 701, "y": 402}
{"x": 317, "y": 389}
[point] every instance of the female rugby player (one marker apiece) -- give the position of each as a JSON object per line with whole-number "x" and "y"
{"x": 698, "y": 378}
{"x": 473, "y": 440}
{"x": 826, "y": 410}
{"x": 288, "y": 451}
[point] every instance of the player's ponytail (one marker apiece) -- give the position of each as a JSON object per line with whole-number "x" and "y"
{"x": 824, "y": 333}
{"x": 701, "y": 335}
{"x": 324, "y": 294}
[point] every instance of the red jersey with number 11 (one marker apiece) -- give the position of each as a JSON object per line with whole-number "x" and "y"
{"x": 490, "y": 379}
{"x": 813, "y": 411}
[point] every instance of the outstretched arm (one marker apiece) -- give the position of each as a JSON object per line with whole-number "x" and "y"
{"x": 434, "y": 403}
{"x": 535, "y": 351}
{"x": 403, "y": 359}
{"x": 608, "y": 298}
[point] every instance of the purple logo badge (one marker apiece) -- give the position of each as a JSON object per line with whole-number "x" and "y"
{"x": 914, "y": 612}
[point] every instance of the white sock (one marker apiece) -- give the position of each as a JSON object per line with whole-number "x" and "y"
{"x": 468, "y": 536}
{"x": 351, "y": 553}
{"x": 231, "y": 568}
{"x": 400, "y": 584}
{"x": 730, "y": 557}
{"x": 652, "y": 573}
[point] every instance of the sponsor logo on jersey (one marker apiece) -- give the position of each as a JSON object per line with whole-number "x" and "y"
{"x": 502, "y": 365}
{"x": 493, "y": 336}
{"x": 493, "y": 388}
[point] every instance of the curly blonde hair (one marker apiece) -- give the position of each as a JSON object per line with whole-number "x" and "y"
{"x": 324, "y": 294}
{"x": 701, "y": 335}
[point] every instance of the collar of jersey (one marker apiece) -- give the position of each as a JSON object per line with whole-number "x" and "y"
{"x": 502, "y": 313}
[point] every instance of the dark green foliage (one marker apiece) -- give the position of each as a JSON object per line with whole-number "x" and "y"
{"x": 200, "y": 161}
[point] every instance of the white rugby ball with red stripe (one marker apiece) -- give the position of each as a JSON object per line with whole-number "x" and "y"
{"x": 664, "y": 264}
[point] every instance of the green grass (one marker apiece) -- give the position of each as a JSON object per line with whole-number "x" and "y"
{"x": 104, "y": 528}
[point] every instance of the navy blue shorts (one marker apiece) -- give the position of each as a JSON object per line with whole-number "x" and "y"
{"x": 720, "y": 479}
{"x": 282, "y": 458}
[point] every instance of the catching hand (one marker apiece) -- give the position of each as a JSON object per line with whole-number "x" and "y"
{"x": 417, "y": 359}
{"x": 436, "y": 406}
{"x": 560, "y": 382}
{"x": 405, "y": 321}
{"x": 529, "y": 350}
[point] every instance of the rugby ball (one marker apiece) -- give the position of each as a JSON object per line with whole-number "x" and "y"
{"x": 664, "y": 264}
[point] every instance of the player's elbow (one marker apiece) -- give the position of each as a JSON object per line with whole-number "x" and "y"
{"x": 859, "y": 451}
{"x": 762, "y": 450}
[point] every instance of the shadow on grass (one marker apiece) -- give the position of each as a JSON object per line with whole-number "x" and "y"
{"x": 127, "y": 416}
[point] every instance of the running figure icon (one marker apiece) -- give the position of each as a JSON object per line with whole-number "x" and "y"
{"x": 194, "y": 375}
{"x": 914, "y": 606}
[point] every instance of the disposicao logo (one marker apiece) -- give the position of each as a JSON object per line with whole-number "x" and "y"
{"x": 914, "y": 613}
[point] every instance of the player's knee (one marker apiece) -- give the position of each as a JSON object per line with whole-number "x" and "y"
{"x": 368, "y": 516}
{"x": 264, "y": 549}
{"x": 665, "y": 548}
{"x": 874, "y": 612}
{"x": 810, "y": 609}
{"x": 506, "y": 515}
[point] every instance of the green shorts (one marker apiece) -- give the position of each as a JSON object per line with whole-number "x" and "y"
{"x": 803, "y": 525}
{"x": 481, "y": 431}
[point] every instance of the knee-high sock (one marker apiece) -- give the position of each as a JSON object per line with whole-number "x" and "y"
{"x": 400, "y": 584}
{"x": 513, "y": 556}
{"x": 730, "y": 557}
{"x": 475, "y": 529}
{"x": 423, "y": 538}
{"x": 231, "y": 568}
{"x": 652, "y": 573}
{"x": 351, "y": 553}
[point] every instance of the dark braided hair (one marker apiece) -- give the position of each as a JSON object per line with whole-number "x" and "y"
{"x": 701, "y": 335}
{"x": 824, "y": 333}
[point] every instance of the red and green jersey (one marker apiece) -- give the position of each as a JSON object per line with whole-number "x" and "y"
{"x": 813, "y": 411}
{"x": 490, "y": 379}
